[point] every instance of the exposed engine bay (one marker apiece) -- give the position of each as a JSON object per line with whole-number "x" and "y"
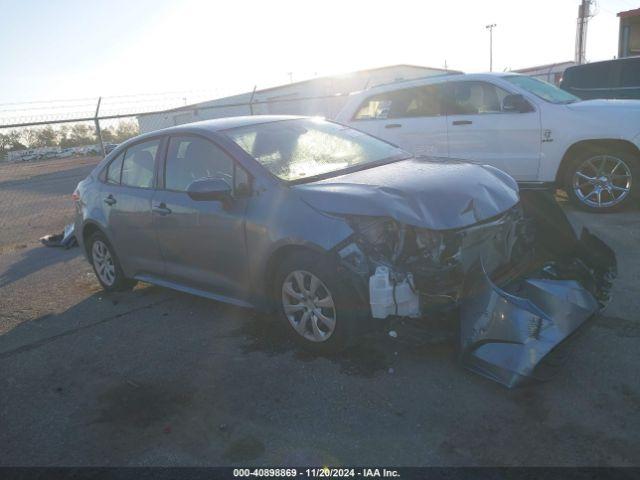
{"x": 522, "y": 281}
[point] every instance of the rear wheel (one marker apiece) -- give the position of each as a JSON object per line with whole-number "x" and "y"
{"x": 324, "y": 313}
{"x": 602, "y": 182}
{"x": 106, "y": 266}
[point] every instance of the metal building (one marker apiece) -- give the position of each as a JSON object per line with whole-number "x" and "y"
{"x": 629, "y": 37}
{"x": 322, "y": 96}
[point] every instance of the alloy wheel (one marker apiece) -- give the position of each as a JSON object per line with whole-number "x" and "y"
{"x": 602, "y": 181}
{"x": 309, "y": 306}
{"x": 103, "y": 263}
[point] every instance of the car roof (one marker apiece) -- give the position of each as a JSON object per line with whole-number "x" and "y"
{"x": 219, "y": 124}
{"x": 585, "y": 66}
{"x": 389, "y": 87}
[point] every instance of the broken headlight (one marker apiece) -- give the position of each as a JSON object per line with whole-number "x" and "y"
{"x": 437, "y": 247}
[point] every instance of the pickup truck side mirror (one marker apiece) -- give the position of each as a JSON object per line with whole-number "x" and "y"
{"x": 207, "y": 189}
{"x": 516, "y": 103}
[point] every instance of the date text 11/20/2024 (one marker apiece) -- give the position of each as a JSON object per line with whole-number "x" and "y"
{"x": 324, "y": 472}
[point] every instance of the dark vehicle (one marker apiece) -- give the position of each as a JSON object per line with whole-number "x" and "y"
{"x": 109, "y": 147}
{"x": 609, "y": 79}
{"x": 338, "y": 231}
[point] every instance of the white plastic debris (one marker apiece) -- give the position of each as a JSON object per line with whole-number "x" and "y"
{"x": 389, "y": 299}
{"x": 393, "y": 334}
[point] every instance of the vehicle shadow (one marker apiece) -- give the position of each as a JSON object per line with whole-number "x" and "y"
{"x": 34, "y": 259}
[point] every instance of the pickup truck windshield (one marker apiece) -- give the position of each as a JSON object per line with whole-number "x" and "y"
{"x": 540, "y": 89}
{"x": 295, "y": 150}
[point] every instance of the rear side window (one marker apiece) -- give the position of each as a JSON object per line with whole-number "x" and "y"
{"x": 630, "y": 74}
{"x": 425, "y": 101}
{"x": 114, "y": 169}
{"x": 192, "y": 158}
{"x": 138, "y": 165}
{"x": 596, "y": 75}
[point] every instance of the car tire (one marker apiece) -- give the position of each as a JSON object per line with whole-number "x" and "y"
{"x": 324, "y": 296}
{"x": 602, "y": 181}
{"x": 106, "y": 265}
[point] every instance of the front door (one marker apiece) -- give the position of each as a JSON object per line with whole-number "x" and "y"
{"x": 202, "y": 242}
{"x": 481, "y": 131}
{"x": 126, "y": 200}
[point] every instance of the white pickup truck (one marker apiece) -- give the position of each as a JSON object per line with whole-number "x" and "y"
{"x": 532, "y": 130}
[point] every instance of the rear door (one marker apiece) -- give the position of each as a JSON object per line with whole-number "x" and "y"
{"x": 412, "y": 118}
{"x": 202, "y": 242}
{"x": 480, "y": 131}
{"x": 126, "y": 196}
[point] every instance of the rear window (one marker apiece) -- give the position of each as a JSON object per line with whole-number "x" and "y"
{"x": 139, "y": 164}
{"x": 425, "y": 101}
{"x": 630, "y": 73}
{"x": 597, "y": 75}
{"x": 114, "y": 169}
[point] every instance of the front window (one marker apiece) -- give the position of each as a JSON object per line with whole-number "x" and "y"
{"x": 475, "y": 98}
{"x": 194, "y": 158}
{"x": 295, "y": 150}
{"x": 540, "y": 89}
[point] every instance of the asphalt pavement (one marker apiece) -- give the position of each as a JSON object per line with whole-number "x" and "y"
{"x": 155, "y": 377}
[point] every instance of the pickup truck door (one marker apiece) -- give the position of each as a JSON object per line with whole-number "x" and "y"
{"x": 481, "y": 131}
{"x": 411, "y": 118}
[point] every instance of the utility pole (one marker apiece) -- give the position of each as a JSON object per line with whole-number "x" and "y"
{"x": 490, "y": 28}
{"x": 96, "y": 120}
{"x": 584, "y": 13}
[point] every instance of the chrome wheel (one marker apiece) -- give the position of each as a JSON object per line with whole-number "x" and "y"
{"x": 602, "y": 181}
{"x": 309, "y": 306}
{"x": 103, "y": 263}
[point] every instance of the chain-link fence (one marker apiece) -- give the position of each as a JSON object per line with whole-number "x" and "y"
{"x": 47, "y": 148}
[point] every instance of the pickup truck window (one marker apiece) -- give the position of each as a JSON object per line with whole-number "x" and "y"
{"x": 425, "y": 101}
{"x": 474, "y": 98}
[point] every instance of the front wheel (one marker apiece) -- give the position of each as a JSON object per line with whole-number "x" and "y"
{"x": 602, "y": 182}
{"x": 324, "y": 312}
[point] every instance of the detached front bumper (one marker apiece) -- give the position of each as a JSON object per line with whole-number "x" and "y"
{"x": 508, "y": 334}
{"x": 505, "y": 336}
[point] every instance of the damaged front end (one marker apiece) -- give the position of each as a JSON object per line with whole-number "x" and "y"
{"x": 523, "y": 282}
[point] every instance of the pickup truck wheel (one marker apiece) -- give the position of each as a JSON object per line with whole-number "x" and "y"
{"x": 602, "y": 182}
{"x": 106, "y": 265}
{"x": 323, "y": 312}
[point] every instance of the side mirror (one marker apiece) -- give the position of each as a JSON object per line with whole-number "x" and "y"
{"x": 516, "y": 103}
{"x": 210, "y": 189}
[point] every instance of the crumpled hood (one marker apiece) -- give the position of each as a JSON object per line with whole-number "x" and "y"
{"x": 426, "y": 193}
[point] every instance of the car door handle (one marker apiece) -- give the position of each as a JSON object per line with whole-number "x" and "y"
{"x": 161, "y": 209}
{"x": 462, "y": 122}
{"x": 110, "y": 200}
{"x": 393, "y": 125}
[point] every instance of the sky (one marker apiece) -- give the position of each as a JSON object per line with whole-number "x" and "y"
{"x": 77, "y": 49}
